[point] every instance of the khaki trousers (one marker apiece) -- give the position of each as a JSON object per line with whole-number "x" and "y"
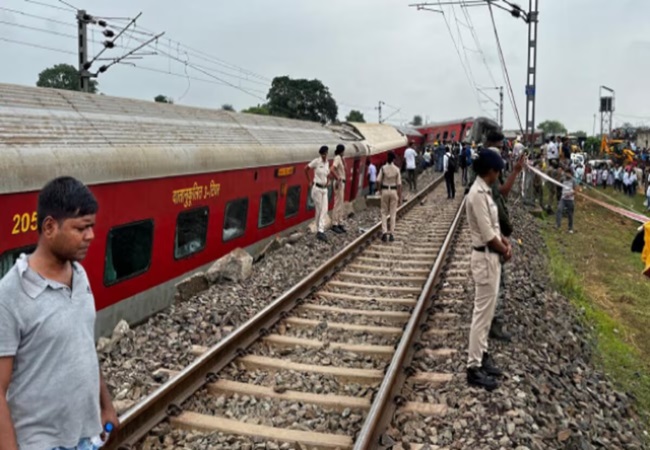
{"x": 319, "y": 196}
{"x": 486, "y": 272}
{"x": 388, "y": 206}
{"x": 339, "y": 199}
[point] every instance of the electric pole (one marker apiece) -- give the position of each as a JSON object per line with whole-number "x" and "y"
{"x": 379, "y": 109}
{"x": 501, "y": 107}
{"x": 531, "y": 75}
{"x": 82, "y": 28}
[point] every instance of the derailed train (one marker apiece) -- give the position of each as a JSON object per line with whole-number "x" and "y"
{"x": 178, "y": 187}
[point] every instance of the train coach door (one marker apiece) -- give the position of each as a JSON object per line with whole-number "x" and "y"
{"x": 354, "y": 188}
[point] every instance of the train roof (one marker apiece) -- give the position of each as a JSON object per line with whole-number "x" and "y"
{"x": 379, "y": 137}
{"x": 408, "y": 131}
{"x": 445, "y": 123}
{"x": 46, "y": 133}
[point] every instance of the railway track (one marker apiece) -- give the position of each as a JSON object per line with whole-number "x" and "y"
{"x": 323, "y": 366}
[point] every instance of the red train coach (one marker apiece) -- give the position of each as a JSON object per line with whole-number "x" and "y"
{"x": 178, "y": 187}
{"x": 471, "y": 129}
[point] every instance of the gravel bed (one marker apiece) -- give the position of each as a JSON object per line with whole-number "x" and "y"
{"x": 353, "y": 319}
{"x": 321, "y": 356}
{"x": 350, "y": 337}
{"x": 365, "y": 305}
{"x": 290, "y": 380}
{"x": 276, "y": 413}
{"x": 551, "y": 397}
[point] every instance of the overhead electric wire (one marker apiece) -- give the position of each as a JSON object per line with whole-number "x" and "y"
{"x": 29, "y": 44}
{"x": 451, "y": 34}
{"x": 470, "y": 22}
{"x": 42, "y": 30}
{"x": 48, "y": 5}
{"x": 506, "y": 74}
{"x": 35, "y": 16}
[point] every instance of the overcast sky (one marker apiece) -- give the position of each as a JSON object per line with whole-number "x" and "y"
{"x": 363, "y": 50}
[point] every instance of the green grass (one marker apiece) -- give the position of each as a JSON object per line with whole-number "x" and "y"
{"x": 595, "y": 269}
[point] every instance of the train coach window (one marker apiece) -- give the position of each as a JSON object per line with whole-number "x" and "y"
{"x": 310, "y": 201}
{"x": 128, "y": 251}
{"x": 234, "y": 223}
{"x": 453, "y": 135}
{"x": 191, "y": 232}
{"x": 292, "y": 202}
{"x": 8, "y": 259}
{"x": 268, "y": 204}
{"x": 445, "y": 135}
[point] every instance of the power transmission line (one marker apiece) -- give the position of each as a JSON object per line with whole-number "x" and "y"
{"x": 48, "y": 5}
{"x": 506, "y": 74}
{"x": 42, "y": 47}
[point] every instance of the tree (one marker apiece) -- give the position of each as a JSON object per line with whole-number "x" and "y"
{"x": 355, "y": 116}
{"x": 301, "y": 99}
{"x": 62, "y": 76}
{"x": 552, "y": 127}
{"x": 261, "y": 110}
{"x": 162, "y": 99}
{"x": 227, "y": 107}
{"x": 417, "y": 121}
{"x": 580, "y": 134}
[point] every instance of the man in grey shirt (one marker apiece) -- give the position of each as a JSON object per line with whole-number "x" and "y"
{"x": 51, "y": 391}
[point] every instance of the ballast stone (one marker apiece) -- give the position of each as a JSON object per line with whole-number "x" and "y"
{"x": 191, "y": 286}
{"x": 235, "y": 266}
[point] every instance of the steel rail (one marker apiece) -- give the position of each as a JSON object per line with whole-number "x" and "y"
{"x": 387, "y": 398}
{"x": 167, "y": 399}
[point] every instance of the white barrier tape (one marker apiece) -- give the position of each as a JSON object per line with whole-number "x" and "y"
{"x": 623, "y": 212}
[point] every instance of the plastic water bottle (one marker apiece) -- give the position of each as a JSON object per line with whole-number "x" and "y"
{"x": 97, "y": 441}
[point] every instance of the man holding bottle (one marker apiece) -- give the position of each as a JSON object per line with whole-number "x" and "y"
{"x": 52, "y": 395}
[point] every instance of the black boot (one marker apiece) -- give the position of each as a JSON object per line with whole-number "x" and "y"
{"x": 497, "y": 332}
{"x": 343, "y": 230}
{"x": 337, "y": 229}
{"x": 488, "y": 366}
{"x": 321, "y": 237}
{"x": 391, "y": 238}
{"x": 476, "y": 376}
{"x": 384, "y": 237}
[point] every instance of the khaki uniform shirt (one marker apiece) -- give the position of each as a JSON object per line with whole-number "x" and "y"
{"x": 339, "y": 167}
{"x": 321, "y": 170}
{"x": 482, "y": 214}
{"x": 389, "y": 175}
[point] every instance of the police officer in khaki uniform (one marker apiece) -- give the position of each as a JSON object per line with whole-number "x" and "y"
{"x": 321, "y": 169}
{"x": 339, "y": 174}
{"x": 489, "y": 248}
{"x": 390, "y": 190}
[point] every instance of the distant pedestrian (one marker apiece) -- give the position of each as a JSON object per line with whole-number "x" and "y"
{"x": 372, "y": 177}
{"x": 410, "y": 156}
{"x": 319, "y": 192}
{"x": 449, "y": 166}
{"x": 465, "y": 161}
{"x": 552, "y": 152}
{"x": 52, "y": 394}
{"x": 339, "y": 173}
{"x": 567, "y": 201}
{"x": 489, "y": 246}
{"x": 390, "y": 189}
{"x": 626, "y": 182}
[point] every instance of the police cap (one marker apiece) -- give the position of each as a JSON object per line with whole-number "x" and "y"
{"x": 324, "y": 149}
{"x": 491, "y": 160}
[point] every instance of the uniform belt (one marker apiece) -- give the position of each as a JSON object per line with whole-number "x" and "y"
{"x": 383, "y": 186}
{"x": 484, "y": 249}
{"x": 322, "y": 186}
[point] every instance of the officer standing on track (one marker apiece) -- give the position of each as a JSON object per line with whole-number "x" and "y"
{"x": 339, "y": 173}
{"x": 389, "y": 182}
{"x": 321, "y": 169}
{"x": 489, "y": 246}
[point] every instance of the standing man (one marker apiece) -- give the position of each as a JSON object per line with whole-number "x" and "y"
{"x": 339, "y": 172}
{"x": 321, "y": 170}
{"x": 517, "y": 149}
{"x": 489, "y": 246}
{"x": 449, "y": 167}
{"x": 52, "y": 394}
{"x": 552, "y": 152}
{"x": 372, "y": 177}
{"x": 410, "y": 155}
{"x": 465, "y": 162}
{"x": 390, "y": 188}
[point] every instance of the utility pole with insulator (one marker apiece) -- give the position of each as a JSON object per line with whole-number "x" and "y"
{"x": 531, "y": 74}
{"x": 82, "y": 27}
